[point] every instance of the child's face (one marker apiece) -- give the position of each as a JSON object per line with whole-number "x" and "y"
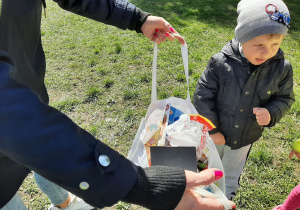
{"x": 261, "y": 48}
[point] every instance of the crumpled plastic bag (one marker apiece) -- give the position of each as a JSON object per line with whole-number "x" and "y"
{"x": 183, "y": 133}
{"x": 188, "y": 131}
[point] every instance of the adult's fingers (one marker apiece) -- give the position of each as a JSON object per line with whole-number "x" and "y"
{"x": 193, "y": 201}
{"x": 205, "y": 177}
{"x": 210, "y": 203}
{"x": 169, "y": 36}
{"x": 162, "y": 24}
{"x": 173, "y": 36}
{"x": 158, "y": 30}
{"x": 161, "y": 36}
{"x": 156, "y": 39}
{"x": 179, "y": 38}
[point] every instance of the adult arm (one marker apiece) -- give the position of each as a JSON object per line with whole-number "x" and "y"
{"x": 124, "y": 15}
{"x": 117, "y": 13}
{"x": 48, "y": 142}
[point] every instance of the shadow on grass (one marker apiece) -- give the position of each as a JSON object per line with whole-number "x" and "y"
{"x": 221, "y": 13}
{"x": 218, "y": 13}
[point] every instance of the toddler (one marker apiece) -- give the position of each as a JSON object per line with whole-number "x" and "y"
{"x": 248, "y": 85}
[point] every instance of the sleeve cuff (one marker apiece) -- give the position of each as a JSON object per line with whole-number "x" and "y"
{"x": 158, "y": 187}
{"x": 138, "y": 19}
{"x": 275, "y": 115}
{"x": 213, "y": 131}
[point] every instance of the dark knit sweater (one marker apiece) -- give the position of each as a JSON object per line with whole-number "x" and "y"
{"x": 164, "y": 186}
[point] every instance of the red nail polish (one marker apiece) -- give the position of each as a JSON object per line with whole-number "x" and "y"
{"x": 156, "y": 30}
{"x": 234, "y": 207}
{"x": 171, "y": 29}
{"x": 167, "y": 34}
{"x": 154, "y": 35}
{"x": 218, "y": 175}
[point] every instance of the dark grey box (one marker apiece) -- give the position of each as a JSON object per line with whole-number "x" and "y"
{"x": 181, "y": 157}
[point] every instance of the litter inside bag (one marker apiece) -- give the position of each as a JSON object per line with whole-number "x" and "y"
{"x": 189, "y": 130}
{"x": 157, "y": 136}
{"x": 172, "y": 127}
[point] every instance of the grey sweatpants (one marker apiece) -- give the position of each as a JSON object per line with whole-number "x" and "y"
{"x": 233, "y": 162}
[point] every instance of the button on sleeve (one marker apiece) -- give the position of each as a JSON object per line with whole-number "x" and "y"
{"x": 104, "y": 160}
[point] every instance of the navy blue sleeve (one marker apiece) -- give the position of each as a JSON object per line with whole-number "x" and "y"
{"x": 118, "y": 13}
{"x": 48, "y": 142}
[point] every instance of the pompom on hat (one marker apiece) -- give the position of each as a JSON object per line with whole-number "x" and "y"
{"x": 259, "y": 17}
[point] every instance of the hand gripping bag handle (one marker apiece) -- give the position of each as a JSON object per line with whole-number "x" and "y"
{"x": 184, "y": 53}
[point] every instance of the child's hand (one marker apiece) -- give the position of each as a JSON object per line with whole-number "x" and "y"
{"x": 218, "y": 138}
{"x": 293, "y": 152}
{"x": 263, "y": 116}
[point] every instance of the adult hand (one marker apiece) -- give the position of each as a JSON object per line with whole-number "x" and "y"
{"x": 263, "y": 116}
{"x": 293, "y": 152}
{"x": 191, "y": 200}
{"x": 218, "y": 138}
{"x": 157, "y": 29}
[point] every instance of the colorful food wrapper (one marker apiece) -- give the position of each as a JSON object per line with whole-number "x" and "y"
{"x": 159, "y": 135}
{"x": 191, "y": 130}
{"x": 174, "y": 115}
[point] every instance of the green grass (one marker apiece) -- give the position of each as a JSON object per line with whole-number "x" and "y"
{"x": 100, "y": 76}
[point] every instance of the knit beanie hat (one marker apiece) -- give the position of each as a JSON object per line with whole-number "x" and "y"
{"x": 259, "y": 17}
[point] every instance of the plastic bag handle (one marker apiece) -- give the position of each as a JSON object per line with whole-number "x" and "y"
{"x": 184, "y": 53}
